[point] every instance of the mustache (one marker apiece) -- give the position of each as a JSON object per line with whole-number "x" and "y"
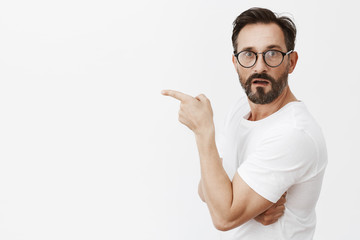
{"x": 260, "y": 75}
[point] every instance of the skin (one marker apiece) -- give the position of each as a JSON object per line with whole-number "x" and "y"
{"x": 259, "y": 38}
{"x": 232, "y": 203}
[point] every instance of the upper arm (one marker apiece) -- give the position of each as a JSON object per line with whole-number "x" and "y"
{"x": 246, "y": 205}
{"x": 278, "y": 162}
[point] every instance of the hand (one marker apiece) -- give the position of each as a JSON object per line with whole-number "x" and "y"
{"x": 195, "y": 113}
{"x": 271, "y": 215}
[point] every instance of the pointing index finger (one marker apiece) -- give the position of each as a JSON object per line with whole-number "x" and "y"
{"x": 175, "y": 94}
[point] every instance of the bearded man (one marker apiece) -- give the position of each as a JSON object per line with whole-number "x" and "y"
{"x": 266, "y": 180}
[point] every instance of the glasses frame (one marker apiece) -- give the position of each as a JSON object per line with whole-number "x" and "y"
{"x": 263, "y": 54}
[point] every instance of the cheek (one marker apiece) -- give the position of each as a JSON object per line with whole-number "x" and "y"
{"x": 243, "y": 75}
{"x": 285, "y": 70}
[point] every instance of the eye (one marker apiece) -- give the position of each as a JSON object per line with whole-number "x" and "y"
{"x": 248, "y": 54}
{"x": 272, "y": 53}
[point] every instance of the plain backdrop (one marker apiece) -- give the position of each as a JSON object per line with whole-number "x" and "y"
{"x": 89, "y": 149}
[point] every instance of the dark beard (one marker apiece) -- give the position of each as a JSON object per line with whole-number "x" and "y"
{"x": 260, "y": 97}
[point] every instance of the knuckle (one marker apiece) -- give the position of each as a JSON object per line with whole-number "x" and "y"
{"x": 266, "y": 223}
{"x": 202, "y": 96}
{"x": 267, "y": 218}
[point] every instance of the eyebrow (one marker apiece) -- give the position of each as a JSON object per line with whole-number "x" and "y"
{"x": 272, "y": 46}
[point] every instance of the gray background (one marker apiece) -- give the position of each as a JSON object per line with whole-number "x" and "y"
{"x": 89, "y": 149}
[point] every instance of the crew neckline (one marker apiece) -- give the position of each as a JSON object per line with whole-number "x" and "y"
{"x": 245, "y": 118}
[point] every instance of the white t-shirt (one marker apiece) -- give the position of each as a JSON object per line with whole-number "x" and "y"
{"x": 283, "y": 152}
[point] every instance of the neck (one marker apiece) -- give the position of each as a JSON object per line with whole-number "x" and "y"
{"x": 261, "y": 111}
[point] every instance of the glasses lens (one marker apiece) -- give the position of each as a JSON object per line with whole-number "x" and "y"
{"x": 273, "y": 58}
{"x": 247, "y": 58}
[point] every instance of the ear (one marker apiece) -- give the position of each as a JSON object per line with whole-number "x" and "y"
{"x": 293, "y": 61}
{"x": 234, "y": 60}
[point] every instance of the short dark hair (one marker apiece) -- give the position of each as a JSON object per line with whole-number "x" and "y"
{"x": 263, "y": 15}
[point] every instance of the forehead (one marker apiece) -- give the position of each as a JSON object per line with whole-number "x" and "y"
{"x": 260, "y": 36}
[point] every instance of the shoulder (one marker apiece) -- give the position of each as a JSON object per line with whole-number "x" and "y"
{"x": 297, "y": 137}
{"x": 293, "y": 127}
{"x": 295, "y": 119}
{"x": 288, "y": 138}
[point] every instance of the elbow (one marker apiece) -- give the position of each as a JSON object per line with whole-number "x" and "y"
{"x": 221, "y": 227}
{"x": 201, "y": 196}
{"x": 224, "y": 224}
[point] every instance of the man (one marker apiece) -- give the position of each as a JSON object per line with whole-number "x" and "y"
{"x": 271, "y": 145}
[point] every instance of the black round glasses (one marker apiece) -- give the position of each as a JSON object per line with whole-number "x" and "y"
{"x": 272, "y": 58}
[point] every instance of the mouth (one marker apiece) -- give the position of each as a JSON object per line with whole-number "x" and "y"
{"x": 260, "y": 82}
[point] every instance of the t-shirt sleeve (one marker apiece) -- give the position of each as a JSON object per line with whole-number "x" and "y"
{"x": 283, "y": 158}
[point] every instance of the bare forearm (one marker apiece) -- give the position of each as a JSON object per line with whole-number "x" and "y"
{"x": 217, "y": 187}
{"x": 229, "y": 206}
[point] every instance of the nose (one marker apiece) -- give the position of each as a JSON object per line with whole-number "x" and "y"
{"x": 260, "y": 65}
